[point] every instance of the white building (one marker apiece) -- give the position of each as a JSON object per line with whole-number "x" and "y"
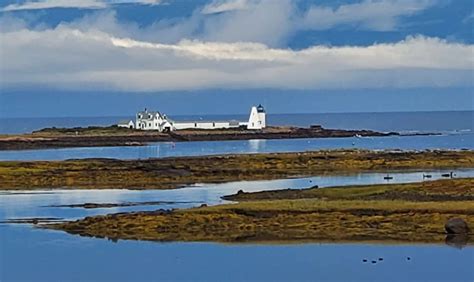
{"x": 146, "y": 120}
{"x": 150, "y": 120}
{"x": 257, "y": 119}
{"x": 126, "y": 124}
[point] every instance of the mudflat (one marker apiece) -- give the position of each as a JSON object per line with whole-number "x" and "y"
{"x": 378, "y": 213}
{"x": 176, "y": 172}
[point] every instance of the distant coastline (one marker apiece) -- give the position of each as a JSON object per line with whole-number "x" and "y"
{"x": 116, "y": 136}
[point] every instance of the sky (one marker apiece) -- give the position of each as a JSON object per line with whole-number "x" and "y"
{"x": 114, "y": 57}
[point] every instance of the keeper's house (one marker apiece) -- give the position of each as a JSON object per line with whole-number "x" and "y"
{"x": 151, "y": 120}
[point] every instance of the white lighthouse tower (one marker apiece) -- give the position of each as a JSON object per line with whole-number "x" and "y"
{"x": 257, "y": 119}
{"x": 262, "y": 115}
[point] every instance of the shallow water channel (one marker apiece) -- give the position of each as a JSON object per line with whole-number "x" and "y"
{"x": 28, "y": 253}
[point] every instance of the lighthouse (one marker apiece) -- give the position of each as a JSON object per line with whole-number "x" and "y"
{"x": 257, "y": 118}
{"x": 261, "y": 115}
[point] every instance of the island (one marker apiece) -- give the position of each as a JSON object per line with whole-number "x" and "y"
{"x": 96, "y": 136}
{"x": 405, "y": 213}
{"x": 176, "y": 172}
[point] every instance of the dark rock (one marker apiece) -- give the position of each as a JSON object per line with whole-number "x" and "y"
{"x": 456, "y": 226}
{"x": 240, "y": 192}
{"x": 203, "y": 206}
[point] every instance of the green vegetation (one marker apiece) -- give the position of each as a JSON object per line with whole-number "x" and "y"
{"x": 83, "y": 130}
{"x": 328, "y": 214}
{"x": 175, "y": 172}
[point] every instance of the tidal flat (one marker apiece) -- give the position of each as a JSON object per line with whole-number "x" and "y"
{"x": 409, "y": 213}
{"x": 176, "y": 172}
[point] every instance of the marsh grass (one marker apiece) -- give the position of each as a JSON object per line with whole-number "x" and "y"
{"x": 341, "y": 215}
{"x": 178, "y": 171}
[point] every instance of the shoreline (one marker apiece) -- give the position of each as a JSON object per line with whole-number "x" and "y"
{"x": 176, "y": 172}
{"x": 50, "y": 138}
{"x": 337, "y": 214}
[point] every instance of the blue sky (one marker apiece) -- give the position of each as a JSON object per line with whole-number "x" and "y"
{"x": 97, "y": 57}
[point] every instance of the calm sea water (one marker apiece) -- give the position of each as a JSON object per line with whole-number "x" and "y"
{"x": 456, "y": 129}
{"x": 167, "y": 149}
{"x": 460, "y": 121}
{"x": 29, "y": 254}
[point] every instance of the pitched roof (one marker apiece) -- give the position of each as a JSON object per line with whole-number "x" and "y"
{"x": 125, "y": 121}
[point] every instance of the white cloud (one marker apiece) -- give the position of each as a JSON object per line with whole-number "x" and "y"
{"x": 48, "y": 4}
{"x": 379, "y": 15}
{"x": 71, "y": 58}
{"x": 265, "y": 21}
{"x": 219, "y": 6}
{"x": 79, "y": 4}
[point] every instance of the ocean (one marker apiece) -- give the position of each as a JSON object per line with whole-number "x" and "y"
{"x": 443, "y": 122}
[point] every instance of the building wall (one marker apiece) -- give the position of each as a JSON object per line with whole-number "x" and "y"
{"x": 254, "y": 120}
{"x": 130, "y": 124}
{"x": 263, "y": 119}
{"x": 202, "y": 125}
{"x": 162, "y": 123}
{"x": 155, "y": 123}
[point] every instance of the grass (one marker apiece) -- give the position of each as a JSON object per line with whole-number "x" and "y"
{"x": 175, "y": 172}
{"x": 459, "y": 189}
{"x": 350, "y": 216}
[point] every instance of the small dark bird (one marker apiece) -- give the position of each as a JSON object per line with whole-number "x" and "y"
{"x": 450, "y": 175}
{"x": 388, "y": 177}
{"x": 364, "y": 260}
{"x": 381, "y": 259}
{"x": 374, "y": 261}
{"x": 408, "y": 258}
{"x": 426, "y": 175}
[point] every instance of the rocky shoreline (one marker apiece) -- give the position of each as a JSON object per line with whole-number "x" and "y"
{"x": 114, "y": 136}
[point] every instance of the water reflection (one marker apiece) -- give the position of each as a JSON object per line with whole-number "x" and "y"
{"x": 257, "y": 145}
{"x": 29, "y": 204}
{"x": 168, "y": 149}
{"x": 457, "y": 241}
{"x": 29, "y": 254}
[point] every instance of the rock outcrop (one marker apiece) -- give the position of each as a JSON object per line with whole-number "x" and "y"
{"x": 456, "y": 226}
